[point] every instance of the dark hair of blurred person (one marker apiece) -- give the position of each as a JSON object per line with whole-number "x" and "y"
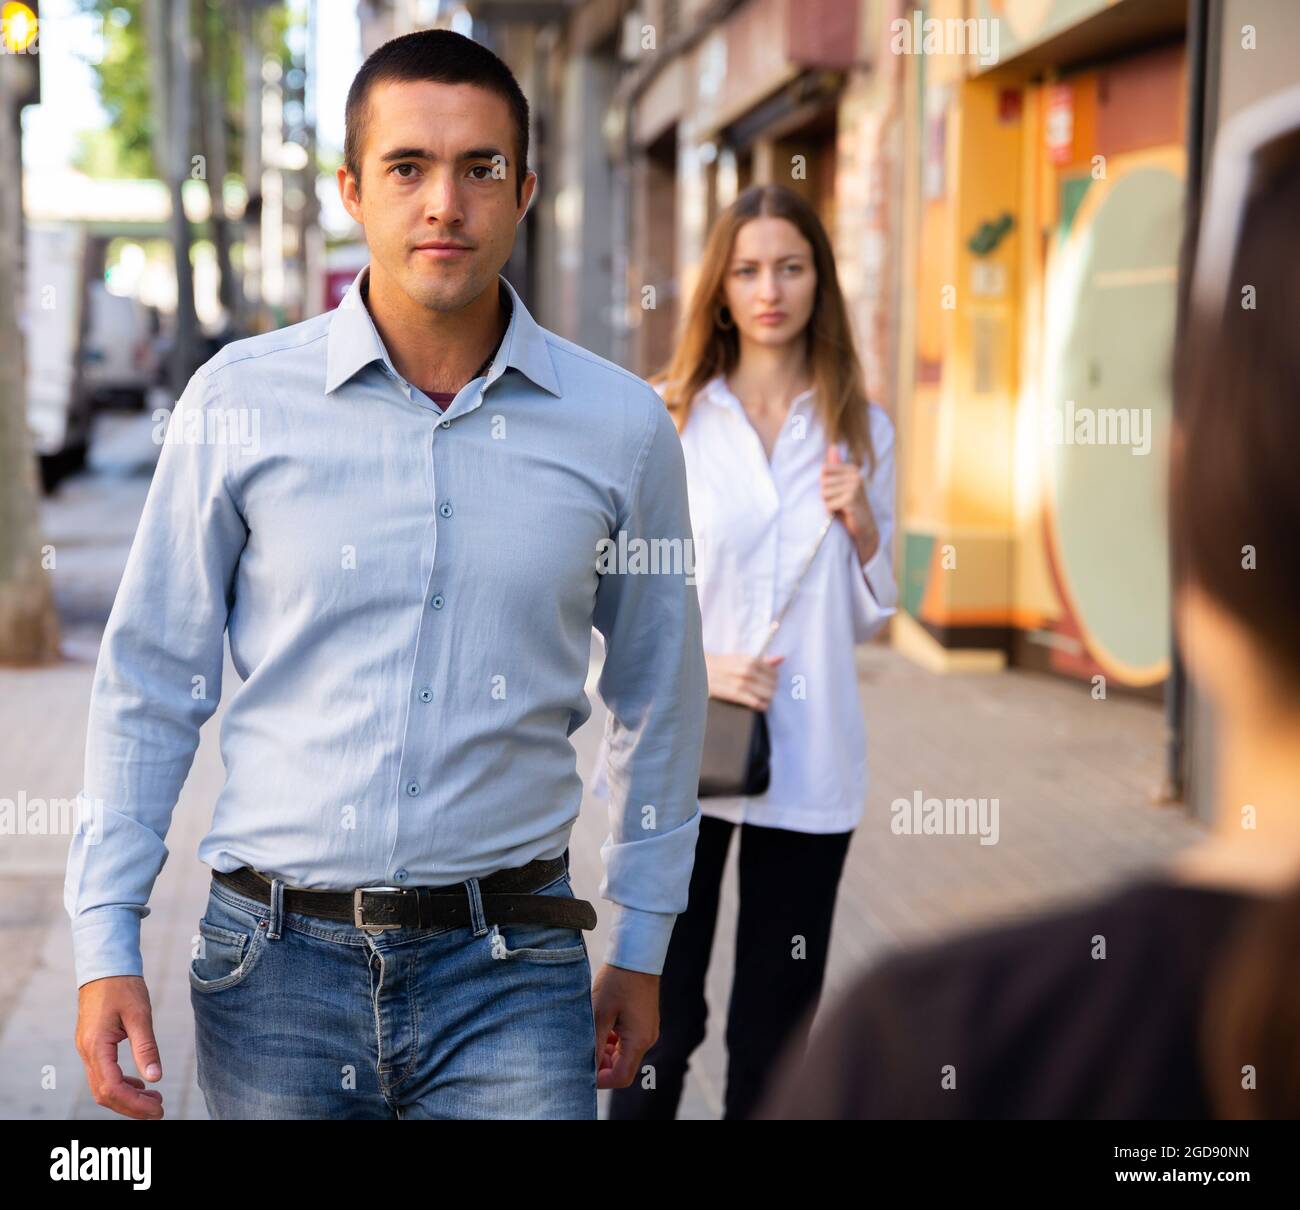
{"x": 1195, "y": 1010}
{"x": 1234, "y": 488}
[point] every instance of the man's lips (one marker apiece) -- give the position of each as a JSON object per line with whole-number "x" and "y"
{"x": 441, "y": 249}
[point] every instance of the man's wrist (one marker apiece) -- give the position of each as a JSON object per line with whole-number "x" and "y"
{"x": 627, "y": 970}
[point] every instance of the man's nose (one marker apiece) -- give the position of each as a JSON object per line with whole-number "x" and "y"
{"x": 442, "y": 201}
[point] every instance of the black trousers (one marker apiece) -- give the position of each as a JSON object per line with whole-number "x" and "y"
{"x": 788, "y": 885}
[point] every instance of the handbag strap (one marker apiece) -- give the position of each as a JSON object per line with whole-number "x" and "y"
{"x": 807, "y": 563}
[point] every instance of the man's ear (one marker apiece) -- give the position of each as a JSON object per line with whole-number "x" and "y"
{"x": 530, "y": 188}
{"x": 348, "y": 193}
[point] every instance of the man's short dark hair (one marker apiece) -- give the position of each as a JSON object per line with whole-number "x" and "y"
{"x": 443, "y": 57}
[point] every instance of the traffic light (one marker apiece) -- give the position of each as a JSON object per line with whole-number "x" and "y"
{"x": 20, "y": 33}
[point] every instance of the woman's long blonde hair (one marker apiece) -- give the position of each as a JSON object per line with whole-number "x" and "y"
{"x": 706, "y": 349}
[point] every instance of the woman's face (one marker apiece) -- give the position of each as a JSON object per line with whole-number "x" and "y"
{"x": 770, "y": 284}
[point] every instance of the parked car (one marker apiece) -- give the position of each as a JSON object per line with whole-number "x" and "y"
{"x": 119, "y": 354}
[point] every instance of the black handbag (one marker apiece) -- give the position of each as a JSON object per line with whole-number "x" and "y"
{"x": 737, "y": 756}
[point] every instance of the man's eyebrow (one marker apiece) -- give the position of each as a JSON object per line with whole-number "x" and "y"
{"x": 422, "y": 153}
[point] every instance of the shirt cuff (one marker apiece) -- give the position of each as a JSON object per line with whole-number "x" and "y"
{"x": 874, "y": 594}
{"x": 879, "y": 574}
{"x": 106, "y": 941}
{"x": 638, "y": 940}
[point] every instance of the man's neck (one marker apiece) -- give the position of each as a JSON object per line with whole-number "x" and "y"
{"x": 437, "y": 351}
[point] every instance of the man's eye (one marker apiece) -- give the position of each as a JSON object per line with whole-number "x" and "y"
{"x": 397, "y": 168}
{"x": 486, "y": 169}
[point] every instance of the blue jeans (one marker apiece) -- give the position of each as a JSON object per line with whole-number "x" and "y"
{"x": 299, "y": 1017}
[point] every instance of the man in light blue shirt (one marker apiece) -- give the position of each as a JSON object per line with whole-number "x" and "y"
{"x": 409, "y": 593}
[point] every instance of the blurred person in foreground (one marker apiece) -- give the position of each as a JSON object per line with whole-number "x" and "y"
{"x": 1194, "y": 1010}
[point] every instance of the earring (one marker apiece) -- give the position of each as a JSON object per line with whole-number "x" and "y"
{"x": 722, "y": 317}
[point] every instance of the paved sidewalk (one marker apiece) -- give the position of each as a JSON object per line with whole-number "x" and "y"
{"x": 1071, "y": 775}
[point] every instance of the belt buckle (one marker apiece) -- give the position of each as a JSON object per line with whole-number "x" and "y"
{"x": 358, "y": 909}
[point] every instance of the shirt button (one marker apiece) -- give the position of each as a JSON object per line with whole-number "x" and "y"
{"x": 437, "y": 601}
{"x": 426, "y": 695}
{"x": 446, "y": 424}
{"x": 444, "y": 509}
{"x": 400, "y": 875}
{"x": 412, "y": 788}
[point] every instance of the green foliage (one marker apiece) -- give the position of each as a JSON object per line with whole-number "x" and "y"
{"x": 125, "y": 80}
{"x": 125, "y": 92}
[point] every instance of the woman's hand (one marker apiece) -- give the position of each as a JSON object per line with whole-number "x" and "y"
{"x": 845, "y": 497}
{"x": 742, "y": 678}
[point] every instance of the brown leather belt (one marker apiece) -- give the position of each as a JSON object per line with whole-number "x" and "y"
{"x": 504, "y": 895}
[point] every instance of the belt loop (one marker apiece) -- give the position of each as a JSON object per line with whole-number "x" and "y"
{"x": 477, "y": 920}
{"x": 277, "y": 908}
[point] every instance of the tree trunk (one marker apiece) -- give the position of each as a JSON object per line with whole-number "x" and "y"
{"x": 250, "y": 53}
{"x": 169, "y": 37}
{"x": 213, "y": 67}
{"x": 29, "y": 628}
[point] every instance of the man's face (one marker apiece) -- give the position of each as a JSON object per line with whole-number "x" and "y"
{"x": 437, "y": 197}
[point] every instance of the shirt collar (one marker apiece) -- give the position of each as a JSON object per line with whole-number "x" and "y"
{"x": 717, "y": 391}
{"x": 354, "y": 342}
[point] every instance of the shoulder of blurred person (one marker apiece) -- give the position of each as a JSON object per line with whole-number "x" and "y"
{"x": 1090, "y": 1010}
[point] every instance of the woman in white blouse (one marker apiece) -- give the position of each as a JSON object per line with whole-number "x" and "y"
{"x": 768, "y": 396}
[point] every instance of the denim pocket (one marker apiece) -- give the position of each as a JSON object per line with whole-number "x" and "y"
{"x": 539, "y": 942}
{"x": 230, "y": 942}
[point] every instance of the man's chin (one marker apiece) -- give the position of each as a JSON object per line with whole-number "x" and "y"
{"x": 441, "y": 291}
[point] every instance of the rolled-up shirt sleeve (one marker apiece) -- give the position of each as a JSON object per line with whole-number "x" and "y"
{"x": 875, "y": 589}
{"x": 655, "y": 686}
{"x": 157, "y": 680}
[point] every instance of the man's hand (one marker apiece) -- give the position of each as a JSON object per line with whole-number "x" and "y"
{"x": 626, "y": 1007}
{"x": 110, "y": 1011}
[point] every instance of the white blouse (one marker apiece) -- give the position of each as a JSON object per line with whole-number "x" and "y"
{"x": 754, "y": 524}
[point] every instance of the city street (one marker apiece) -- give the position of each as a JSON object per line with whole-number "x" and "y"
{"x": 1072, "y": 776}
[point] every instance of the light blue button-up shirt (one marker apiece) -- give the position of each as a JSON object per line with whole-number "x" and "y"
{"x": 410, "y": 598}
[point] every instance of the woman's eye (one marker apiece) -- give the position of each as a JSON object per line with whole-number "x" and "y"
{"x": 745, "y": 271}
{"x": 792, "y": 269}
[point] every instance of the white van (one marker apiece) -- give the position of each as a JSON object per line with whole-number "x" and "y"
{"x": 119, "y": 353}
{"x": 58, "y": 407}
